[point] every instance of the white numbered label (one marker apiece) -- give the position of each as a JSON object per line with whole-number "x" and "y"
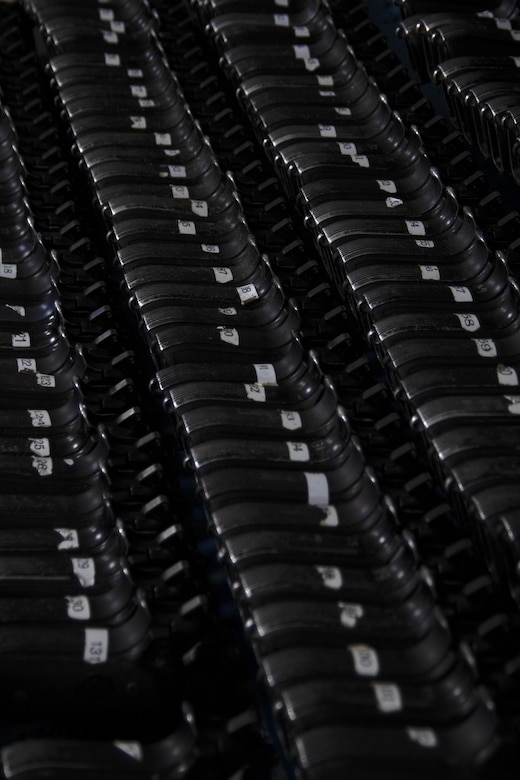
{"x": 247, "y": 293}
{"x": 95, "y": 650}
{"x": 317, "y": 488}
{"x": 469, "y": 322}
{"x": 138, "y": 91}
{"x": 26, "y": 364}
{"x": 301, "y": 32}
{"x": 298, "y": 451}
{"x": 281, "y": 20}
{"x": 330, "y": 576}
{"x": 513, "y": 406}
{"x": 223, "y": 275}
{"x": 179, "y": 191}
{"x": 461, "y": 294}
{"x": 106, "y": 14}
{"x": 265, "y": 374}
{"x": 361, "y": 160}
{"x": 350, "y": 614}
{"x": 42, "y": 466}
{"x": 302, "y": 52}
{"x": 78, "y": 607}
{"x": 388, "y": 697}
{"x": 70, "y": 539}
{"x": 255, "y": 392}
{"x": 212, "y": 249}
{"x": 199, "y": 207}
{"x": 109, "y": 36}
{"x": 186, "y": 227}
{"x": 327, "y": 131}
{"x": 291, "y": 420}
{"x": 415, "y": 227}
{"x": 348, "y": 148}
{"x": 430, "y": 272}
{"x": 229, "y": 335}
{"x": 45, "y": 380}
{"x": 312, "y": 64}
{"x": 366, "y": 662}
{"x": 424, "y": 737}
{"x": 21, "y": 339}
{"x": 118, "y": 27}
{"x": 112, "y": 60}
{"x": 229, "y": 311}
{"x": 137, "y": 122}
{"x": 8, "y": 271}
{"x": 40, "y": 418}
{"x": 387, "y": 185}
{"x": 177, "y": 171}
{"x": 162, "y": 139}
{"x": 85, "y": 571}
{"x": 507, "y": 375}
{"x": 425, "y": 243}
{"x": 343, "y": 110}
{"x": 486, "y": 347}
{"x": 392, "y": 203}
{"x": 40, "y": 447}
{"x": 331, "y": 519}
{"x": 325, "y": 81}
